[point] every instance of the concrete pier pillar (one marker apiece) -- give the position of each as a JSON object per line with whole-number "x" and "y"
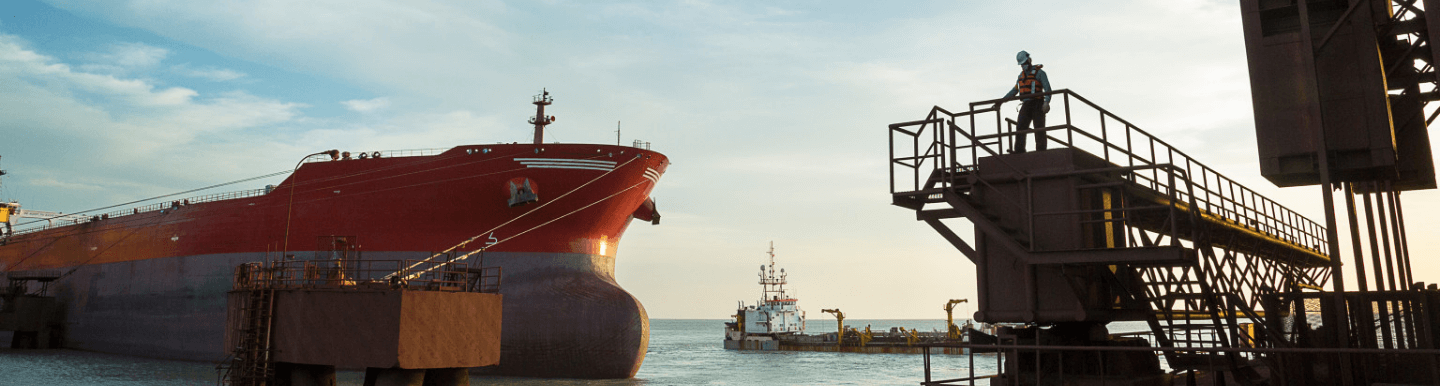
{"x": 394, "y": 377}
{"x": 455, "y": 376}
{"x": 25, "y": 339}
{"x": 304, "y": 375}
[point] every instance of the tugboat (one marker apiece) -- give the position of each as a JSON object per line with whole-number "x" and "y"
{"x": 758, "y": 326}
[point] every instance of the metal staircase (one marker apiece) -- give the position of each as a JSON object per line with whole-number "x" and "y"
{"x": 1127, "y": 226}
{"x": 250, "y": 363}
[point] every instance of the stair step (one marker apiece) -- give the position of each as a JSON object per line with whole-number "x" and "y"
{"x": 1198, "y": 361}
{"x": 1184, "y": 295}
{"x": 1155, "y": 283}
{"x": 1191, "y": 327}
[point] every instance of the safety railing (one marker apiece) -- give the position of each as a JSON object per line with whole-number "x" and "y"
{"x": 37, "y": 226}
{"x": 376, "y": 274}
{"x": 159, "y": 206}
{"x": 376, "y": 154}
{"x": 951, "y": 144}
{"x": 188, "y": 201}
{"x": 1044, "y": 364}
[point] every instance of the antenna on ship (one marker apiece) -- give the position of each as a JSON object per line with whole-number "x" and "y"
{"x": 768, "y": 279}
{"x": 540, "y": 119}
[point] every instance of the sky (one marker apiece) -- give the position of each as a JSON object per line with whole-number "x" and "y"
{"x": 773, "y": 113}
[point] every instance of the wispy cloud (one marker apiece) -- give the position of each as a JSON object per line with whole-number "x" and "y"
{"x": 208, "y": 73}
{"x": 367, "y": 105}
{"x": 134, "y": 54}
{"x": 52, "y": 182}
{"x": 69, "y": 116}
{"x": 124, "y": 58}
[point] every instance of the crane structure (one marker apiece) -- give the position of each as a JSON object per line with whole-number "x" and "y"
{"x": 953, "y": 331}
{"x": 839, "y": 324}
{"x": 1113, "y": 223}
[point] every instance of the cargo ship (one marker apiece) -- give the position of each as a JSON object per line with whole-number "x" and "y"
{"x": 152, "y": 280}
{"x": 776, "y": 323}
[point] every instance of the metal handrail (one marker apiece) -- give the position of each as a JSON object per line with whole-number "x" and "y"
{"x": 336, "y": 274}
{"x": 382, "y": 154}
{"x": 152, "y": 208}
{"x": 224, "y": 195}
{"x": 1213, "y": 194}
{"x": 969, "y": 374}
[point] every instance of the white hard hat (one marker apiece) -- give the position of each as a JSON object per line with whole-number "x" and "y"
{"x": 1021, "y": 57}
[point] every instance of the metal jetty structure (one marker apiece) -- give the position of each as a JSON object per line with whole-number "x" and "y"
{"x": 406, "y": 322}
{"x": 1115, "y": 224}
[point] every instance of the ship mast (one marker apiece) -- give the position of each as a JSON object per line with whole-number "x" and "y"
{"x": 540, "y": 120}
{"x": 769, "y": 279}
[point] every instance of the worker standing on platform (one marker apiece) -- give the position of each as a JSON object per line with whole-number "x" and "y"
{"x": 1032, "y": 80}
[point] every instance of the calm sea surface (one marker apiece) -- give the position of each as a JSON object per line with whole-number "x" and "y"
{"x": 682, "y": 352}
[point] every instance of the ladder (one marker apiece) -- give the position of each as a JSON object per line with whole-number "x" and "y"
{"x": 250, "y": 364}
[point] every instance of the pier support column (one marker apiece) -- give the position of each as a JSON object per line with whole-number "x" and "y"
{"x": 455, "y": 376}
{"x": 305, "y": 375}
{"x": 394, "y": 377}
{"x": 25, "y": 339}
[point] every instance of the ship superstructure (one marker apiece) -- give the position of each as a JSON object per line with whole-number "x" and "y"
{"x": 776, "y": 312}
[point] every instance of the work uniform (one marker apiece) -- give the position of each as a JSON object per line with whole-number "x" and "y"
{"x": 1032, "y": 80}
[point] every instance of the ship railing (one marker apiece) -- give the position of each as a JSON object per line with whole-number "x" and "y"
{"x": 378, "y": 154}
{"x": 159, "y": 206}
{"x": 1001, "y": 363}
{"x": 187, "y": 201}
{"x": 72, "y": 218}
{"x": 366, "y": 274}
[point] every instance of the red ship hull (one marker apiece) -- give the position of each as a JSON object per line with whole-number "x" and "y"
{"x": 151, "y": 281}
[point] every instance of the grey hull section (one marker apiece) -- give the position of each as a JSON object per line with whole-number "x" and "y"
{"x": 564, "y": 315}
{"x": 171, "y": 308}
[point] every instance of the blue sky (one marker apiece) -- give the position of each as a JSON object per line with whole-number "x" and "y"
{"x": 773, "y": 112}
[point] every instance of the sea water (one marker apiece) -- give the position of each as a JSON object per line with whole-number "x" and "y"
{"x": 681, "y": 352}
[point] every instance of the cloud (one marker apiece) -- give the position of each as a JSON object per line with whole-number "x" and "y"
{"x": 136, "y": 54}
{"x": 775, "y": 117}
{"x": 52, "y": 182}
{"x": 208, "y": 73}
{"x": 120, "y": 58}
{"x": 110, "y": 131}
{"x": 367, "y": 105}
{"x": 421, "y": 40}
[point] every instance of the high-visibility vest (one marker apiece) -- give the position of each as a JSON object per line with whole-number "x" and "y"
{"x": 1029, "y": 80}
